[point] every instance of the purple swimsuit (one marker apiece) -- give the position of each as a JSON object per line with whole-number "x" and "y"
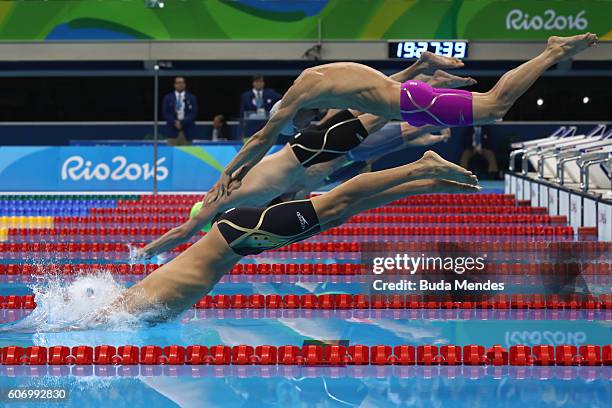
{"x": 420, "y": 104}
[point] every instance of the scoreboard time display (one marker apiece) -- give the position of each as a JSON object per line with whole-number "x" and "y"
{"x": 414, "y": 49}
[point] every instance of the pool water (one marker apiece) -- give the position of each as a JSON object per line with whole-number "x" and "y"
{"x": 62, "y": 299}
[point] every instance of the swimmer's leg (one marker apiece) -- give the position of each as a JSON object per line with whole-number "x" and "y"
{"x": 442, "y": 79}
{"x": 332, "y": 213}
{"x": 316, "y": 177}
{"x": 494, "y": 104}
{"x": 400, "y": 136}
{"x": 349, "y": 171}
{"x": 427, "y": 61}
{"x": 420, "y": 104}
{"x": 366, "y": 187}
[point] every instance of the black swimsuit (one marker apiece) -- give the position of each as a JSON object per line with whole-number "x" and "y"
{"x": 328, "y": 140}
{"x": 251, "y": 231}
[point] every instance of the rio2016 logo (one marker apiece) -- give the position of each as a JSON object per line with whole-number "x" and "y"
{"x": 532, "y": 338}
{"x": 518, "y": 20}
{"x": 76, "y": 168}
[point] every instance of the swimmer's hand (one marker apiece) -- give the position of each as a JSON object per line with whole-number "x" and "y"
{"x": 218, "y": 190}
{"x": 137, "y": 254}
{"x": 236, "y": 180}
{"x": 225, "y": 185}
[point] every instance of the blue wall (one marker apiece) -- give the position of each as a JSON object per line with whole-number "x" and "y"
{"x": 81, "y": 168}
{"x": 120, "y": 168}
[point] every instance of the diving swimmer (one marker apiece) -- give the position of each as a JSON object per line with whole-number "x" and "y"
{"x": 348, "y": 85}
{"x": 240, "y": 232}
{"x": 312, "y": 155}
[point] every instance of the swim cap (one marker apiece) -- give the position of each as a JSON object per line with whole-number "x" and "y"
{"x": 288, "y": 130}
{"x": 195, "y": 210}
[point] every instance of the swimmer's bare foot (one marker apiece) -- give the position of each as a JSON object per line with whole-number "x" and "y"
{"x": 431, "y": 165}
{"x": 429, "y": 60}
{"x": 441, "y": 79}
{"x": 447, "y": 186}
{"x": 566, "y": 47}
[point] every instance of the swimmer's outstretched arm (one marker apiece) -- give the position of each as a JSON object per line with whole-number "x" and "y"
{"x": 180, "y": 234}
{"x": 258, "y": 145}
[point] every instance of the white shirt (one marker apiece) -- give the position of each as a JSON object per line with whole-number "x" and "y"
{"x": 180, "y": 105}
{"x": 257, "y": 94}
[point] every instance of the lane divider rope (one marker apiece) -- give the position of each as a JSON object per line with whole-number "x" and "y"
{"x": 363, "y": 301}
{"x": 311, "y": 355}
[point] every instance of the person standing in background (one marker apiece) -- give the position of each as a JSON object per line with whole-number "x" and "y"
{"x": 258, "y": 100}
{"x": 180, "y": 109}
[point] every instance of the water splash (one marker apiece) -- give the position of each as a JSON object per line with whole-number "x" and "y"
{"x": 64, "y": 305}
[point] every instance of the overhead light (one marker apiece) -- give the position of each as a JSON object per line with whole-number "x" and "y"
{"x": 540, "y": 102}
{"x": 585, "y": 100}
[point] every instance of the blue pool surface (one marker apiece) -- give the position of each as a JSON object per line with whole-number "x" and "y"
{"x": 294, "y": 386}
{"x": 232, "y": 386}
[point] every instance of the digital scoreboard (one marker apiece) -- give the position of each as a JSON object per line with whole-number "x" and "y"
{"x": 409, "y": 49}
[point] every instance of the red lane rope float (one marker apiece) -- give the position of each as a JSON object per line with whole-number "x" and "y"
{"x": 535, "y": 248}
{"x": 459, "y": 219}
{"x": 103, "y": 233}
{"x": 501, "y": 268}
{"x": 311, "y": 355}
{"x": 455, "y": 230}
{"x": 454, "y": 201}
{"x": 363, "y": 301}
{"x": 149, "y": 211}
{"x": 171, "y": 220}
{"x": 424, "y": 199}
